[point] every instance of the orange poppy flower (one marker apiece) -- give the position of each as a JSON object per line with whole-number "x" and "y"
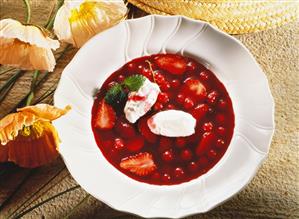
{"x": 27, "y": 47}
{"x": 28, "y": 138}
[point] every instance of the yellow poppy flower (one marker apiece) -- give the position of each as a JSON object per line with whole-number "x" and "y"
{"x": 78, "y": 20}
{"x": 26, "y": 46}
{"x": 28, "y": 138}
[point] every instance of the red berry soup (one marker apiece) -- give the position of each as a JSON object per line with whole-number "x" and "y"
{"x": 137, "y": 112}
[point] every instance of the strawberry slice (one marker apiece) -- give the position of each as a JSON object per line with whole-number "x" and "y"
{"x": 195, "y": 88}
{"x": 140, "y": 164}
{"x": 205, "y": 143}
{"x": 145, "y": 131}
{"x": 174, "y": 64}
{"x": 105, "y": 116}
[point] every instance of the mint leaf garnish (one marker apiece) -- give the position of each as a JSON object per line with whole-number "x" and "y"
{"x": 115, "y": 94}
{"x": 134, "y": 82}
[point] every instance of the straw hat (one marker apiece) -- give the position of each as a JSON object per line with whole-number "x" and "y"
{"x": 231, "y": 16}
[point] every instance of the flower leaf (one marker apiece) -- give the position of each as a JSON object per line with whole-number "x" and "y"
{"x": 134, "y": 82}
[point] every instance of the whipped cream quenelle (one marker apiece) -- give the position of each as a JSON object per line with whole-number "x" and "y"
{"x": 140, "y": 102}
{"x": 172, "y": 123}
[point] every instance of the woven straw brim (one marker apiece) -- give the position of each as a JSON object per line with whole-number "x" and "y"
{"x": 234, "y": 17}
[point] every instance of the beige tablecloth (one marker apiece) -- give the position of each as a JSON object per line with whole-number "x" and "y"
{"x": 273, "y": 193}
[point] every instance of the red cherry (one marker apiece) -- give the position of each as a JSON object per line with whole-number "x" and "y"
{"x": 179, "y": 172}
{"x": 221, "y": 130}
{"x": 181, "y": 98}
{"x": 140, "y": 67}
{"x": 159, "y": 77}
{"x": 204, "y": 75}
{"x": 180, "y": 142}
{"x": 163, "y": 97}
{"x": 200, "y": 111}
{"x": 192, "y": 167}
{"x": 212, "y": 97}
{"x": 186, "y": 155}
{"x": 146, "y": 72}
{"x": 131, "y": 67}
{"x": 118, "y": 144}
{"x": 222, "y": 104}
{"x": 125, "y": 129}
{"x": 135, "y": 144}
{"x": 191, "y": 66}
{"x": 120, "y": 78}
{"x": 156, "y": 176}
{"x": 205, "y": 143}
{"x": 203, "y": 161}
{"x": 158, "y": 106}
{"x": 111, "y": 84}
{"x": 188, "y": 103}
{"x": 165, "y": 86}
{"x": 166, "y": 177}
{"x": 212, "y": 154}
{"x": 207, "y": 127}
{"x": 175, "y": 83}
{"x": 167, "y": 155}
{"x": 165, "y": 144}
{"x": 220, "y": 118}
{"x": 170, "y": 106}
{"x": 220, "y": 143}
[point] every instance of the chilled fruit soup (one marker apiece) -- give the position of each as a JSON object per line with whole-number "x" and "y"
{"x": 163, "y": 119}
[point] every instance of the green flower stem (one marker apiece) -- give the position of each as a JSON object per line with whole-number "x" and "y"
{"x": 46, "y": 200}
{"x": 49, "y": 24}
{"x": 28, "y": 11}
{"x": 10, "y": 80}
{"x": 76, "y": 207}
{"x": 32, "y": 87}
{"x": 24, "y": 99}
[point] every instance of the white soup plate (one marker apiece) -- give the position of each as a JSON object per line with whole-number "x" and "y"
{"x": 233, "y": 64}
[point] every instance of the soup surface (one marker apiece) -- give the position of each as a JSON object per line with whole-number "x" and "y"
{"x": 139, "y": 153}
